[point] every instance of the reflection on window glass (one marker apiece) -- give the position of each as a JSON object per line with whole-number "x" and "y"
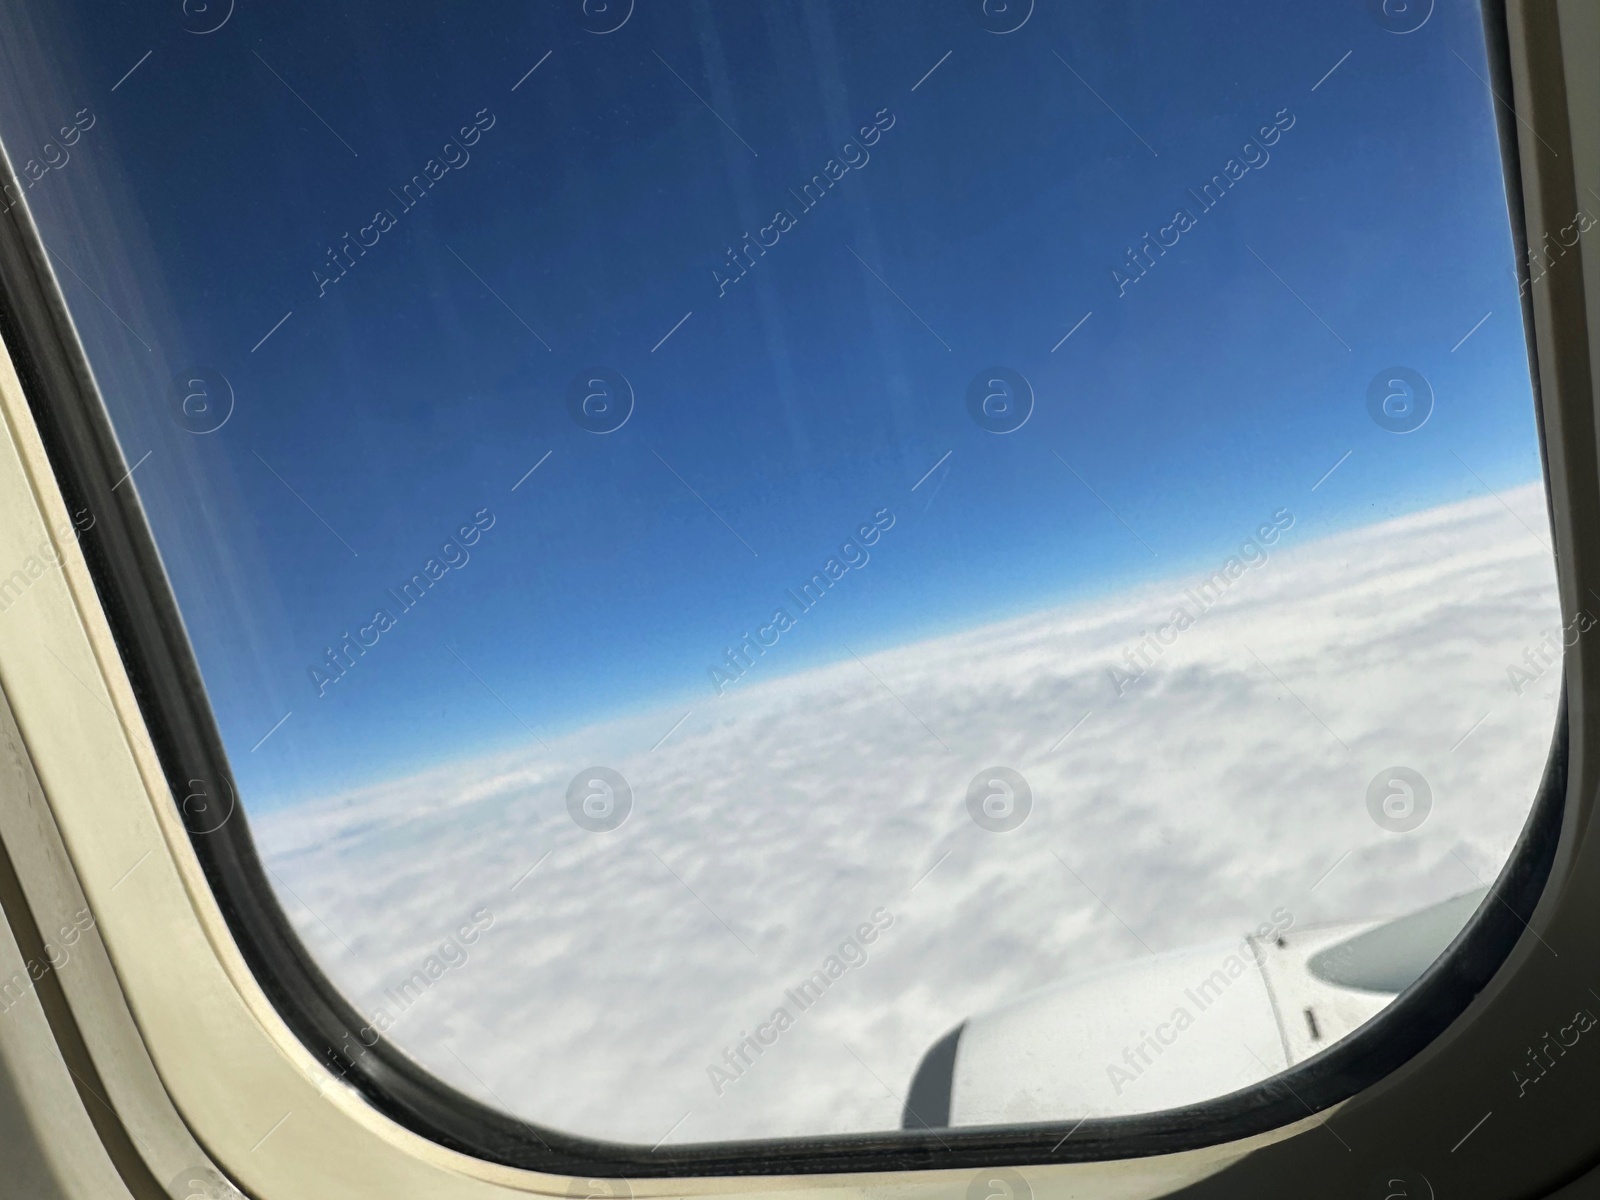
{"x": 768, "y": 570}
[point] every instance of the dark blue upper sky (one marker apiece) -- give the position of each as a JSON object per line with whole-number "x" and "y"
{"x": 593, "y": 207}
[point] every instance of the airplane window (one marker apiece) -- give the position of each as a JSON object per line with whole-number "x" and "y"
{"x": 797, "y": 569}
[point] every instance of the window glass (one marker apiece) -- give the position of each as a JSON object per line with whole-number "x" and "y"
{"x": 727, "y": 542}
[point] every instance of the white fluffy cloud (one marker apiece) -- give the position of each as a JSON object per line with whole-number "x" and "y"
{"x": 1223, "y": 784}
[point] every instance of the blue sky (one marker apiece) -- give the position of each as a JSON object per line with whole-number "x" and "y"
{"x": 591, "y": 213}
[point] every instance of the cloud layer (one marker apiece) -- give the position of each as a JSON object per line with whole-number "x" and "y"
{"x": 1223, "y": 784}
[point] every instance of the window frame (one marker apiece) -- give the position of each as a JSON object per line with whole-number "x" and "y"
{"x": 233, "y": 936}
